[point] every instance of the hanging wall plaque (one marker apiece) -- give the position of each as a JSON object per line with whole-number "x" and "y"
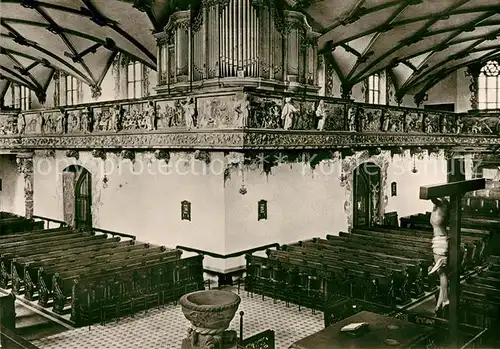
{"x": 394, "y": 190}
{"x": 262, "y": 210}
{"x": 186, "y": 210}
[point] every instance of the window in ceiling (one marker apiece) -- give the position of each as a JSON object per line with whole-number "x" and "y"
{"x": 374, "y": 89}
{"x": 489, "y": 86}
{"x": 134, "y": 79}
{"x": 72, "y": 90}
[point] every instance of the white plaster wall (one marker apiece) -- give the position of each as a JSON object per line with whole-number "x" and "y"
{"x": 430, "y": 170}
{"x": 444, "y": 92}
{"x": 12, "y": 194}
{"x": 302, "y": 203}
{"x": 141, "y": 200}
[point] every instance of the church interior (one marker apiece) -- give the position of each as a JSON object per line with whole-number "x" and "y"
{"x": 215, "y": 174}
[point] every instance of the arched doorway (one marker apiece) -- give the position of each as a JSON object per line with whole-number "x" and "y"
{"x": 77, "y": 192}
{"x": 366, "y": 194}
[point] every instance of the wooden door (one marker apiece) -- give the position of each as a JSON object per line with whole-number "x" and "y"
{"x": 366, "y": 195}
{"x": 83, "y": 201}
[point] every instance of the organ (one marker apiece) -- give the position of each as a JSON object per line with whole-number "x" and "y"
{"x": 236, "y": 43}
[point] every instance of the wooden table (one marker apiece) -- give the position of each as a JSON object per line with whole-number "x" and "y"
{"x": 383, "y": 332}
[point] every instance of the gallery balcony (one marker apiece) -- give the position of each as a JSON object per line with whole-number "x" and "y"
{"x": 243, "y": 119}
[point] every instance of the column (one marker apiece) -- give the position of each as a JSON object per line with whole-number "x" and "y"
{"x": 25, "y": 167}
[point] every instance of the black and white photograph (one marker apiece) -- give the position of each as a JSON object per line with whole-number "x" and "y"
{"x": 249, "y": 174}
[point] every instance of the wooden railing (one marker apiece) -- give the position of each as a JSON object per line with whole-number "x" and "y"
{"x": 48, "y": 220}
{"x": 11, "y": 340}
{"x": 229, "y": 255}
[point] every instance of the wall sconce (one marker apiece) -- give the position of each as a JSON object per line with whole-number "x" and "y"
{"x": 243, "y": 189}
{"x": 414, "y": 169}
{"x": 105, "y": 182}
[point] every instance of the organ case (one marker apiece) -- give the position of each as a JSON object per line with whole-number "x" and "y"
{"x": 237, "y": 42}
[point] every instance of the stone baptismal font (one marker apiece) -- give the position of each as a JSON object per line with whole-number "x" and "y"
{"x": 210, "y": 313}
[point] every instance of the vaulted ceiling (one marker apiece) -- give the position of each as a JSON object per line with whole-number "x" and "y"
{"x": 419, "y": 41}
{"x": 79, "y": 37}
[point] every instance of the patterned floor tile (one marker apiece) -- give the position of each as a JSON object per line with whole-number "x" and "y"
{"x": 166, "y": 327}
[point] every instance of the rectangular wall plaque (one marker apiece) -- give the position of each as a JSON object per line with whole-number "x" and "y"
{"x": 262, "y": 210}
{"x": 185, "y": 210}
{"x": 394, "y": 190}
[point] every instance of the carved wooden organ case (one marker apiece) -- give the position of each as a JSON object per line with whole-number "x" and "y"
{"x": 240, "y": 41}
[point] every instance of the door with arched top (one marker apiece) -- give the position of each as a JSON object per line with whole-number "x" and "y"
{"x": 77, "y": 192}
{"x": 83, "y": 201}
{"x": 366, "y": 195}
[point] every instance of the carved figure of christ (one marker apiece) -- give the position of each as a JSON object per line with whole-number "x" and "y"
{"x": 455, "y": 191}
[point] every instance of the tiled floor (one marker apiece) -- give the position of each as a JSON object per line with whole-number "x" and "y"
{"x": 165, "y": 328}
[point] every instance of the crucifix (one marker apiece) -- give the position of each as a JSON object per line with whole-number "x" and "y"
{"x": 455, "y": 191}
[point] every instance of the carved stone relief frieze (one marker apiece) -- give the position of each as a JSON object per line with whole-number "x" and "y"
{"x": 132, "y": 117}
{"x": 413, "y": 122}
{"x": 392, "y": 121}
{"x": 371, "y": 119}
{"x": 33, "y": 123}
{"x": 334, "y": 117}
{"x": 169, "y": 114}
{"x": 265, "y": 113}
{"x": 221, "y": 112}
{"x": 8, "y": 124}
{"x": 431, "y": 123}
{"x": 74, "y": 119}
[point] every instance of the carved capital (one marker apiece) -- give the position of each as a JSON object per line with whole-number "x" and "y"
{"x": 41, "y": 96}
{"x": 96, "y": 91}
{"x": 419, "y": 98}
{"x": 202, "y": 156}
{"x": 99, "y": 153}
{"x": 128, "y": 155}
{"x": 161, "y": 154}
{"x": 397, "y": 150}
{"x": 72, "y": 153}
{"x": 346, "y": 91}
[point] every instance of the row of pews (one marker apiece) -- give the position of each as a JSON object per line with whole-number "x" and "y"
{"x": 480, "y": 297}
{"x": 381, "y": 265}
{"x": 93, "y": 276}
{"x": 12, "y": 223}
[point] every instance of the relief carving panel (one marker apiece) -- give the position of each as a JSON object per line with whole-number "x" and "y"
{"x": 370, "y": 119}
{"x": 220, "y": 112}
{"x": 265, "y": 113}
{"x": 413, "y": 122}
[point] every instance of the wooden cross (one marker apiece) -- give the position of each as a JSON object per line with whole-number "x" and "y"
{"x": 455, "y": 191}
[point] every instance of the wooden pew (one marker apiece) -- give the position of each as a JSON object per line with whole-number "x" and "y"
{"x": 395, "y": 281}
{"x": 414, "y": 272}
{"x": 27, "y": 267}
{"x": 61, "y": 282}
{"x": 11, "y": 225}
{"x": 473, "y": 246}
{"x": 480, "y": 297}
{"x": 76, "y": 240}
{"x": 119, "y": 293}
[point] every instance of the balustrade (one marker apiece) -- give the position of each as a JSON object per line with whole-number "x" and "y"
{"x": 216, "y": 118}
